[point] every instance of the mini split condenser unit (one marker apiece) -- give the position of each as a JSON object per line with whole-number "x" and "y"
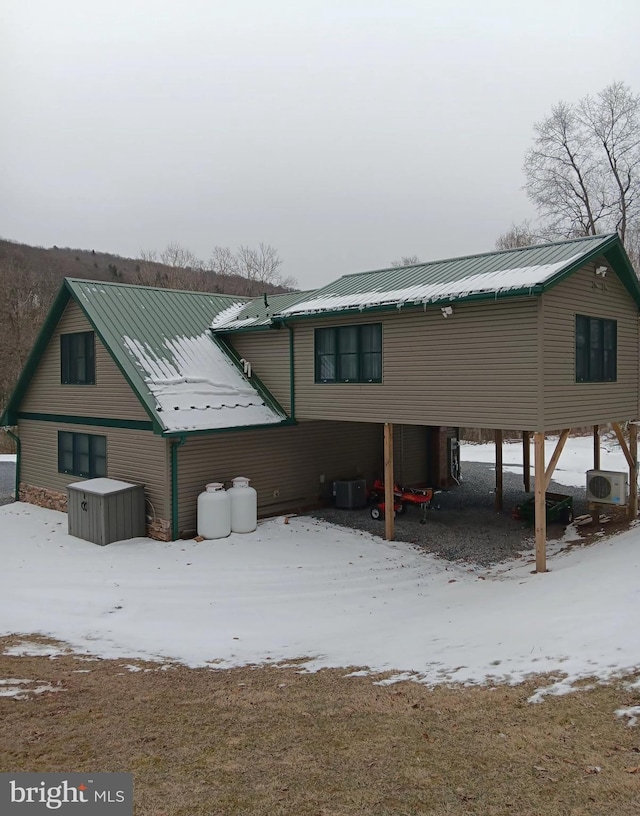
{"x": 607, "y": 487}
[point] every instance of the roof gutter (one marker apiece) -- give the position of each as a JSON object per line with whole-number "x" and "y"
{"x": 16, "y": 439}
{"x": 529, "y": 291}
{"x": 292, "y": 373}
{"x": 235, "y": 429}
{"x": 174, "y": 485}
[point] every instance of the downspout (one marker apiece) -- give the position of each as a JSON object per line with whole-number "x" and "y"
{"x": 292, "y": 375}
{"x": 174, "y": 485}
{"x": 16, "y": 439}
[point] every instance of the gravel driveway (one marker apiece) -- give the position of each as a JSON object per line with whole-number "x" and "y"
{"x": 466, "y": 527}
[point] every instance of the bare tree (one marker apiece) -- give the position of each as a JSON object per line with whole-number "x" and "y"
{"x": 257, "y": 267}
{"x": 179, "y": 257}
{"x": 174, "y": 268}
{"x": 518, "y": 235}
{"x": 406, "y": 260}
{"x": 583, "y": 171}
{"x": 613, "y": 120}
{"x": 565, "y": 179}
{"x": 632, "y": 243}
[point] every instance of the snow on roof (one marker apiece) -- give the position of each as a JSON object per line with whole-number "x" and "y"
{"x": 502, "y": 280}
{"x": 102, "y": 487}
{"x": 196, "y": 386}
{"x": 228, "y": 315}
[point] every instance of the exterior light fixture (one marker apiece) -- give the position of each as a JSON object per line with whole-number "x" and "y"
{"x": 446, "y": 311}
{"x": 602, "y": 270}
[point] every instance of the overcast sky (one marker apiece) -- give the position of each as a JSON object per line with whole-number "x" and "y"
{"x": 345, "y": 134}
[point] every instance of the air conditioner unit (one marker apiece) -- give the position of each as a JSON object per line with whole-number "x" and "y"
{"x": 607, "y": 487}
{"x": 350, "y": 493}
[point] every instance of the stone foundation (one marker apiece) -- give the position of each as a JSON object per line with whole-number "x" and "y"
{"x": 160, "y": 529}
{"x": 43, "y": 497}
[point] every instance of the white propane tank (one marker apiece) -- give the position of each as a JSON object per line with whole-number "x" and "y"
{"x": 214, "y": 512}
{"x": 244, "y": 506}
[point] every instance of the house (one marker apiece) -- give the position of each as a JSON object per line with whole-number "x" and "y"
{"x": 177, "y": 389}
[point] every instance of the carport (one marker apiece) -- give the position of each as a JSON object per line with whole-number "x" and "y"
{"x": 543, "y": 473}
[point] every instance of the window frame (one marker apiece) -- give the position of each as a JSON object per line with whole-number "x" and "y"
{"x": 604, "y": 367}
{"x": 327, "y": 348}
{"x": 70, "y": 356}
{"x": 93, "y": 453}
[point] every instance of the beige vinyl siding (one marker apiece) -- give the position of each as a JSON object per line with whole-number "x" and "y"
{"x": 476, "y": 368}
{"x": 111, "y": 397}
{"x": 410, "y": 459}
{"x": 570, "y": 404}
{"x": 268, "y": 353}
{"x": 133, "y": 456}
{"x": 288, "y": 460}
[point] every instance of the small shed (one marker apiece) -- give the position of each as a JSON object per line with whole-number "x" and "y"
{"x": 105, "y": 510}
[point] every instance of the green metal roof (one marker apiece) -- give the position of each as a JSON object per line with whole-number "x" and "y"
{"x": 149, "y": 315}
{"x": 123, "y": 316}
{"x": 523, "y": 271}
{"x": 257, "y": 313}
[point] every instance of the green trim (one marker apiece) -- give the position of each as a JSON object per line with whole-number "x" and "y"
{"x": 583, "y": 329}
{"x": 209, "y": 431}
{"x": 9, "y": 415}
{"x": 337, "y": 354}
{"x": 69, "y": 356}
{"x": 530, "y": 291}
{"x": 243, "y": 330}
{"x": 101, "y": 422}
{"x": 93, "y": 442}
{"x": 65, "y": 294}
{"x": 563, "y": 274}
{"x": 257, "y": 383}
{"x": 611, "y": 249}
{"x": 157, "y": 427}
{"x": 16, "y": 439}
{"x": 292, "y": 375}
{"x": 617, "y": 256}
{"x": 174, "y": 485}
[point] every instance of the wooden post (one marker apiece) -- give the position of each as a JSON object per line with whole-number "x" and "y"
{"x": 540, "y": 506}
{"x": 633, "y": 471}
{"x": 555, "y": 456}
{"x": 596, "y": 447}
{"x": 388, "y": 481}
{"x": 526, "y": 461}
{"x": 498, "y": 498}
{"x": 623, "y": 444}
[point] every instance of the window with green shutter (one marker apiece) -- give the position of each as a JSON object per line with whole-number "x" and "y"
{"x": 77, "y": 358}
{"x": 596, "y": 349}
{"x": 349, "y": 354}
{"x": 82, "y": 454}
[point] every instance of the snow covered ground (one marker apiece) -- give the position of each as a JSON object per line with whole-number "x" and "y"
{"x": 575, "y": 461}
{"x": 335, "y": 597}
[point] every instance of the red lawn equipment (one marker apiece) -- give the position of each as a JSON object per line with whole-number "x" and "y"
{"x": 402, "y": 498}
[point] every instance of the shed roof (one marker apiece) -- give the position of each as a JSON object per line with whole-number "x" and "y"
{"x": 523, "y": 271}
{"x": 161, "y": 342}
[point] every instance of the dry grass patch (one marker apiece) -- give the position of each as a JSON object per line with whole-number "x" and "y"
{"x": 275, "y": 741}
